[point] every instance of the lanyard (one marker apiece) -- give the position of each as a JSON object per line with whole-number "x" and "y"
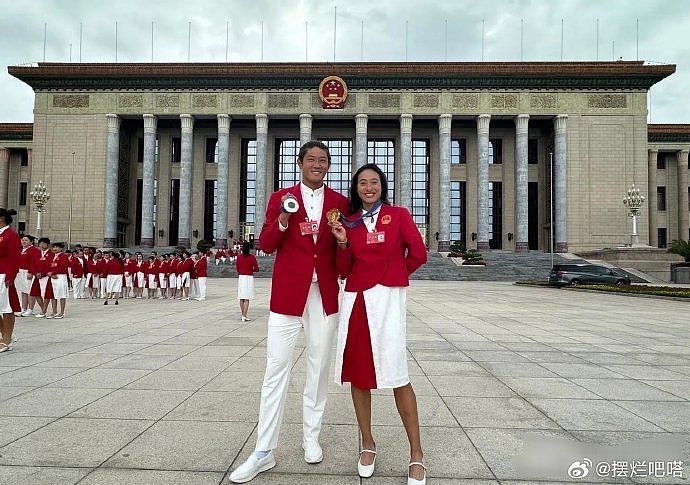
{"x": 352, "y": 223}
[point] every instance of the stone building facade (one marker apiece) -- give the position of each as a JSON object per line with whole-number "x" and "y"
{"x": 485, "y": 153}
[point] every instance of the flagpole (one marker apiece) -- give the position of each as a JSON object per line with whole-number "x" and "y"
{"x": 189, "y": 42}
{"x": 45, "y": 39}
{"x": 81, "y": 30}
{"x": 335, "y": 28}
{"x": 483, "y": 24}
{"x": 227, "y": 38}
{"x": 116, "y": 41}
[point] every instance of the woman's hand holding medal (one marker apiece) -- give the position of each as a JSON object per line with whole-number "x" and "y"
{"x": 337, "y": 228}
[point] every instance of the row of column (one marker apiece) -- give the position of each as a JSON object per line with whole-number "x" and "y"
{"x": 682, "y": 180}
{"x": 305, "y": 129}
{"x": 4, "y": 175}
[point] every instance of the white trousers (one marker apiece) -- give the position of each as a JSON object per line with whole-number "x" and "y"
{"x": 283, "y": 330}
{"x": 78, "y": 285}
{"x": 201, "y": 287}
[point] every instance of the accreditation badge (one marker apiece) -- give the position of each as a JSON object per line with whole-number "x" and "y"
{"x": 377, "y": 237}
{"x": 308, "y": 228}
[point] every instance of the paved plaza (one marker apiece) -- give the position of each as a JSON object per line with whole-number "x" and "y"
{"x": 514, "y": 385}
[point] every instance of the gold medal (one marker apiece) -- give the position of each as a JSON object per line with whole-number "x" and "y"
{"x": 333, "y": 215}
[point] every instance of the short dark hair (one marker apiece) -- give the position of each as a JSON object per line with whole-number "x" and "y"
{"x": 314, "y": 144}
{"x": 7, "y": 215}
{"x": 44, "y": 240}
{"x": 58, "y": 245}
{"x": 29, "y": 237}
{"x": 355, "y": 199}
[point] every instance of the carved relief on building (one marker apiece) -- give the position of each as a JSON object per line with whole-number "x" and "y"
{"x": 426, "y": 100}
{"x": 466, "y": 101}
{"x": 168, "y": 101}
{"x": 130, "y": 101}
{"x": 204, "y": 100}
{"x": 543, "y": 100}
{"x": 607, "y": 101}
{"x": 242, "y": 100}
{"x": 71, "y": 101}
{"x": 123, "y": 177}
{"x": 384, "y": 100}
{"x": 503, "y": 101}
{"x": 280, "y": 100}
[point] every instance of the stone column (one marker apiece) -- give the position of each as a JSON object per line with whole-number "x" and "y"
{"x": 261, "y": 167}
{"x": 186, "y": 159}
{"x": 304, "y": 128}
{"x": 683, "y": 195}
{"x": 652, "y": 156}
{"x": 112, "y": 165}
{"x": 150, "y": 123}
{"x": 360, "y": 140}
{"x": 4, "y": 175}
{"x": 444, "y": 127}
{"x": 521, "y": 184}
{"x": 222, "y": 195}
{"x": 560, "y": 181}
{"x": 483, "y": 182}
{"x": 405, "y": 187}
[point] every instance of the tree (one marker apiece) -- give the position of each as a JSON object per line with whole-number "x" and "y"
{"x": 681, "y": 248}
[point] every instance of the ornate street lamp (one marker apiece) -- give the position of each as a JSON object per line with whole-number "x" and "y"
{"x": 40, "y": 198}
{"x": 633, "y": 201}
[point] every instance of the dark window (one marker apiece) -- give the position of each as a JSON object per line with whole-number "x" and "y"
{"x": 661, "y": 161}
{"x": 458, "y": 151}
{"x": 22, "y": 193}
{"x": 211, "y": 150}
{"x": 286, "y": 168}
{"x": 248, "y": 189}
{"x": 420, "y": 186}
{"x": 140, "y": 151}
{"x": 457, "y": 211}
{"x": 24, "y": 158}
{"x": 174, "y": 222}
{"x": 661, "y": 198}
{"x": 210, "y": 199}
{"x": 382, "y": 153}
{"x": 176, "y": 151}
{"x": 495, "y": 151}
{"x": 533, "y": 214}
{"x": 495, "y": 215}
{"x": 21, "y": 227}
{"x": 532, "y": 151}
{"x": 661, "y": 237}
{"x": 137, "y": 216}
{"x": 338, "y": 176}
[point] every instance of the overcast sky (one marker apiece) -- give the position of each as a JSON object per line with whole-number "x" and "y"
{"x": 664, "y": 35}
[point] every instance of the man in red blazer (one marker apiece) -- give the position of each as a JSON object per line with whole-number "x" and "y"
{"x": 304, "y": 293}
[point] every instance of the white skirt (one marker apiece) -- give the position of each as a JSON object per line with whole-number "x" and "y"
{"x": 387, "y": 319}
{"x": 60, "y": 286}
{"x": 172, "y": 281}
{"x": 5, "y": 305}
{"x": 245, "y": 287}
{"x": 22, "y": 283}
{"x": 113, "y": 283}
{"x": 152, "y": 282}
{"x": 163, "y": 280}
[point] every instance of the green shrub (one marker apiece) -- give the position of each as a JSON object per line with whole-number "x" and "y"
{"x": 458, "y": 247}
{"x": 681, "y": 248}
{"x": 473, "y": 255}
{"x": 203, "y": 245}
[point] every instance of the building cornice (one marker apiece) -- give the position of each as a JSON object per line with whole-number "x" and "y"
{"x": 678, "y": 133}
{"x": 16, "y": 131}
{"x": 367, "y": 75}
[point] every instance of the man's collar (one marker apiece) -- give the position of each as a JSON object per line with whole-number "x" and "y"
{"x": 309, "y": 190}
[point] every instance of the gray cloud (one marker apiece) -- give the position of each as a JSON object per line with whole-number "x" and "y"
{"x": 663, "y": 27}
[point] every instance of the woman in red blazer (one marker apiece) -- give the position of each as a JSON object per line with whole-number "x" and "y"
{"x": 10, "y": 251}
{"x": 246, "y": 265}
{"x": 378, "y": 250}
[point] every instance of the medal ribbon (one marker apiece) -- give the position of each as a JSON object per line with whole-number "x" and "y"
{"x": 351, "y": 223}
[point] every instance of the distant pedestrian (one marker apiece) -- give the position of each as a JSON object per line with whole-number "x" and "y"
{"x": 246, "y": 265}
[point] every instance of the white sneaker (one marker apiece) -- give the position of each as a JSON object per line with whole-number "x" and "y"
{"x": 252, "y": 467}
{"x": 27, "y": 313}
{"x": 39, "y": 315}
{"x": 312, "y": 452}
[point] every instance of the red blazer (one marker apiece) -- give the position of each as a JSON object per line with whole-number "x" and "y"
{"x": 130, "y": 266}
{"x": 77, "y": 267}
{"x": 297, "y": 256}
{"x": 220, "y": 253}
{"x": 389, "y": 263}
{"x": 164, "y": 267}
{"x": 246, "y": 265}
{"x": 100, "y": 267}
{"x": 201, "y": 267}
{"x": 27, "y": 258}
{"x": 185, "y": 266}
{"x": 42, "y": 262}
{"x": 59, "y": 264}
{"x": 174, "y": 264}
{"x": 10, "y": 250}
{"x": 113, "y": 266}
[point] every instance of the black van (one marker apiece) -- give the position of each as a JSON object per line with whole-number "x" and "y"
{"x": 585, "y": 274}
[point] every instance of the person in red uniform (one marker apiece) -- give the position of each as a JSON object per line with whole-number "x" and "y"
{"x": 246, "y": 265}
{"x": 304, "y": 293}
{"x": 100, "y": 267}
{"x": 25, "y": 276}
{"x": 42, "y": 288}
{"x": 184, "y": 271}
{"x": 163, "y": 271}
{"x": 201, "y": 271}
{"x": 114, "y": 268}
{"x": 378, "y": 251}
{"x": 10, "y": 250}
{"x": 172, "y": 276}
{"x": 76, "y": 270}
{"x": 58, "y": 279}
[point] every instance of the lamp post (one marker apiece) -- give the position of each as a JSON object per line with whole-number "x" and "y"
{"x": 40, "y": 197}
{"x": 71, "y": 198}
{"x": 633, "y": 201}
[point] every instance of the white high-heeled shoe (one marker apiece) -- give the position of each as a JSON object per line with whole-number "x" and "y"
{"x": 366, "y": 471}
{"x": 414, "y": 481}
